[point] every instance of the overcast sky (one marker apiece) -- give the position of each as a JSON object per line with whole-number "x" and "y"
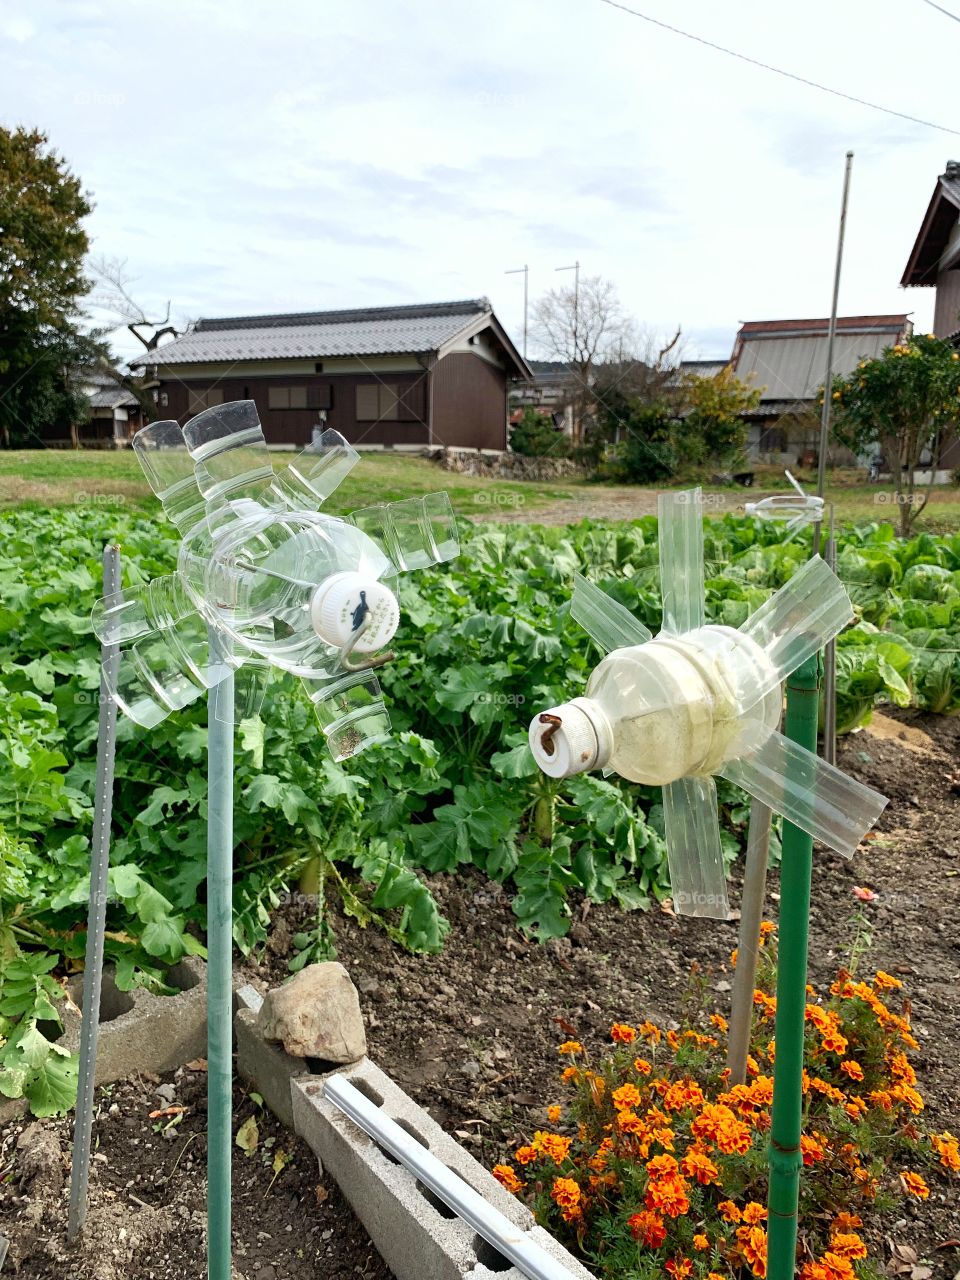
{"x": 250, "y": 157}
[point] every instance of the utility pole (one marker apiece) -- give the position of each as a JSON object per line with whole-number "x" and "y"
{"x": 525, "y": 272}
{"x": 575, "y": 268}
{"x": 831, "y": 335}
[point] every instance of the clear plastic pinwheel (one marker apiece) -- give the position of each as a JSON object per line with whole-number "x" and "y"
{"x": 265, "y": 580}
{"x": 797, "y": 509}
{"x": 701, "y": 700}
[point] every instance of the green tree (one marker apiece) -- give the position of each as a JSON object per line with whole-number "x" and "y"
{"x": 42, "y": 281}
{"x": 902, "y": 401}
{"x": 644, "y": 445}
{"x": 714, "y": 417}
{"x": 537, "y": 437}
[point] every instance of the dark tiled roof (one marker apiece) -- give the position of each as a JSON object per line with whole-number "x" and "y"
{"x": 366, "y": 331}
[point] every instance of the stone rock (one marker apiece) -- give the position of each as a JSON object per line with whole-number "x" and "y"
{"x": 316, "y": 1015}
{"x": 39, "y": 1160}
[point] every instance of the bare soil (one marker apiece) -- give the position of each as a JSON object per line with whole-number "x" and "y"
{"x": 471, "y": 1034}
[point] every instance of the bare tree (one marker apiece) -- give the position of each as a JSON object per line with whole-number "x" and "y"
{"x": 581, "y": 326}
{"x": 112, "y": 294}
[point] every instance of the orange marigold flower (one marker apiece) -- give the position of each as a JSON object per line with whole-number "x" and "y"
{"x": 914, "y": 1185}
{"x": 525, "y": 1155}
{"x": 761, "y": 1091}
{"x": 565, "y": 1192}
{"x": 729, "y": 1211}
{"x": 753, "y": 1246}
{"x": 682, "y": 1094}
{"x": 663, "y": 1136}
{"x": 570, "y": 1046}
{"x": 834, "y": 1042}
{"x": 846, "y": 1221}
{"x": 886, "y": 981}
{"x": 904, "y": 1093}
{"x": 642, "y": 1066}
{"x": 719, "y": 1021}
{"x": 700, "y": 1167}
{"x": 679, "y": 1268}
{"x": 650, "y": 1031}
{"x": 506, "y": 1176}
{"x": 833, "y": 1266}
{"x": 552, "y": 1145}
{"x": 701, "y": 1242}
{"x": 623, "y": 1033}
{"x": 648, "y": 1228}
{"x": 948, "y": 1149}
{"x": 812, "y": 1149}
{"x": 848, "y": 1245}
{"x": 553, "y": 1114}
{"x": 766, "y": 928}
{"x": 753, "y": 1213}
{"x": 570, "y": 1073}
{"x": 881, "y": 1098}
{"x": 669, "y": 1196}
{"x": 630, "y": 1122}
{"x": 673, "y": 1040}
{"x": 626, "y": 1097}
{"x": 662, "y": 1166}
{"x": 852, "y": 1069}
{"x": 733, "y": 957}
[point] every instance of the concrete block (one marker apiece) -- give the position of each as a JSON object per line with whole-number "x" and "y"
{"x": 139, "y": 1031}
{"x": 416, "y": 1234}
{"x": 267, "y": 1065}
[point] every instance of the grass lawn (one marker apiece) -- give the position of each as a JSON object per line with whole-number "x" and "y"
{"x": 60, "y": 477}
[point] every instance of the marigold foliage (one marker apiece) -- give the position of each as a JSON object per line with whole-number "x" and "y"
{"x": 666, "y": 1170}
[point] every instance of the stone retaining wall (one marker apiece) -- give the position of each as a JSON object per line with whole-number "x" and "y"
{"x": 494, "y": 464}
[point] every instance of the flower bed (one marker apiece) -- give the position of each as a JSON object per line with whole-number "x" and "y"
{"x": 663, "y": 1165}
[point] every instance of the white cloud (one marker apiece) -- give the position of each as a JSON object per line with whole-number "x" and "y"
{"x": 261, "y": 157}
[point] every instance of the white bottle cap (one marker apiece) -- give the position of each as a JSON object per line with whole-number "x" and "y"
{"x": 580, "y": 741}
{"x": 342, "y": 604}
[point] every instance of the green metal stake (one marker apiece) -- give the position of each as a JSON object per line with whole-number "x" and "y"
{"x": 785, "y": 1157}
{"x": 219, "y": 965}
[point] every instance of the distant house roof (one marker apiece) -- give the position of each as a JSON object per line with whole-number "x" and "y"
{"x": 788, "y": 358}
{"x": 703, "y": 368}
{"x": 419, "y": 329}
{"x": 935, "y": 247}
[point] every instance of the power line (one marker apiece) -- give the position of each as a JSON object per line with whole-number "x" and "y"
{"x": 934, "y": 5}
{"x": 788, "y": 75}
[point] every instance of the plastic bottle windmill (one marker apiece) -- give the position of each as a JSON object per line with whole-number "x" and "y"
{"x": 797, "y": 509}
{"x": 282, "y": 585}
{"x": 702, "y": 700}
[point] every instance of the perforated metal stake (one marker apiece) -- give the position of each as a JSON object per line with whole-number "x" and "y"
{"x": 96, "y": 916}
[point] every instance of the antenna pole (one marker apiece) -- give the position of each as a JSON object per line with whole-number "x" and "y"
{"x": 525, "y": 272}
{"x": 220, "y": 747}
{"x": 831, "y": 336}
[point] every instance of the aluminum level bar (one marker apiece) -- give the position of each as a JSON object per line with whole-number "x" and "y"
{"x": 511, "y": 1241}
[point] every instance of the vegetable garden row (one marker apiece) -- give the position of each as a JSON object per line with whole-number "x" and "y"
{"x": 483, "y": 647}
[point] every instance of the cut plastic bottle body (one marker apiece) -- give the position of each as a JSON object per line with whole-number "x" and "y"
{"x": 289, "y": 587}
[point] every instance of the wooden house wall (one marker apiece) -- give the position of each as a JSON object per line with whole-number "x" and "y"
{"x": 469, "y": 403}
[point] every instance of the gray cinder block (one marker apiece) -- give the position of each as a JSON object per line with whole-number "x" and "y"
{"x": 267, "y": 1065}
{"x": 139, "y": 1031}
{"x": 416, "y": 1235}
